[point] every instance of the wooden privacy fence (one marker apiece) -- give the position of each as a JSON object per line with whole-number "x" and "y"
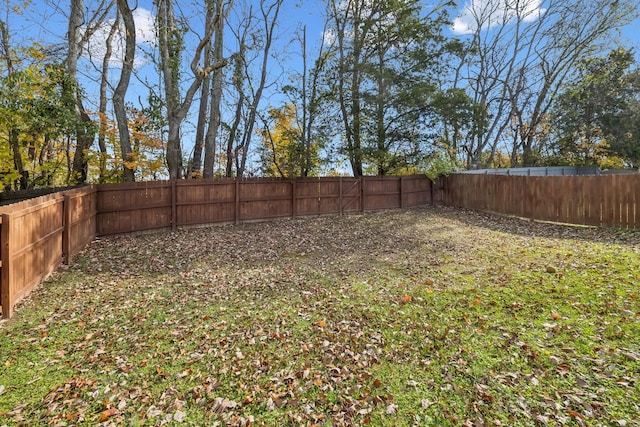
{"x": 600, "y": 200}
{"x": 37, "y": 235}
{"x": 126, "y": 208}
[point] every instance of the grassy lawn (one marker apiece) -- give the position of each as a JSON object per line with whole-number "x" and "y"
{"x": 420, "y": 317}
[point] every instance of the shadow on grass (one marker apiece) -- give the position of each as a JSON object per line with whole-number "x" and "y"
{"x": 534, "y": 228}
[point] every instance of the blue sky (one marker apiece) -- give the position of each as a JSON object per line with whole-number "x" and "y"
{"x": 46, "y": 20}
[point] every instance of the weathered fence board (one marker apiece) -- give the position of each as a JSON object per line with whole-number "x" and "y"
{"x": 598, "y": 200}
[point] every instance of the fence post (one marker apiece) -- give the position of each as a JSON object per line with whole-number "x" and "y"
{"x": 431, "y": 184}
{"x": 237, "y": 202}
{"x": 6, "y": 275}
{"x": 66, "y": 230}
{"x": 401, "y": 192}
{"x": 362, "y": 194}
{"x": 341, "y": 209}
{"x": 174, "y": 208}
{"x": 293, "y": 198}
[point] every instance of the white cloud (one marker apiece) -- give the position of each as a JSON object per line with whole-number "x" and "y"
{"x": 145, "y": 26}
{"x": 489, "y": 13}
{"x": 145, "y": 34}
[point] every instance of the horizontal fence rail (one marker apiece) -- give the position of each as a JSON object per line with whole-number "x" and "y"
{"x": 602, "y": 200}
{"x": 37, "y": 235}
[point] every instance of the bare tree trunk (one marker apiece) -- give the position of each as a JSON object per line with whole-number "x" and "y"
{"x": 216, "y": 96}
{"x": 349, "y": 94}
{"x": 121, "y": 89}
{"x": 196, "y": 160}
{"x": 171, "y": 48}
{"x": 102, "y": 109}
{"x": 84, "y": 135}
{"x": 17, "y": 160}
{"x": 234, "y": 128}
{"x": 306, "y": 140}
{"x": 269, "y": 22}
{"x": 14, "y": 141}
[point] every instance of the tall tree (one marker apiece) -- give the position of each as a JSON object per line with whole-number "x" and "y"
{"x": 313, "y": 110}
{"x": 216, "y": 93}
{"x": 523, "y": 52}
{"x": 594, "y": 115}
{"x": 194, "y": 169}
{"x": 79, "y": 31}
{"x": 387, "y": 57}
{"x": 121, "y": 89}
{"x": 103, "y": 102}
{"x": 261, "y": 30}
{"x": 171, "y": 49}
{"x": 12, "y": 131}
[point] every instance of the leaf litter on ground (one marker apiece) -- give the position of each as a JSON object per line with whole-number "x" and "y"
{"x": 431, "y": 316}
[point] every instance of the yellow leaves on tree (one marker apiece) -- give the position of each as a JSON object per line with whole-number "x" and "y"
{"x": 146, "y": 158}
{"x": 283, "y": 152}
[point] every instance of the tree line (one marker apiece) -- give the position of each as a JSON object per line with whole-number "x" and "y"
{"x": 227, "y": 88}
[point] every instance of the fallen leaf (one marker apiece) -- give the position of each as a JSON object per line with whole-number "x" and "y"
{"x": 179, "y": 416}
{"x": 542, "y": 419}
{"x": 153, "y": 412}
{"x": 573, "y": 413}
{"x": 425, "y": 403}
{"x": 105, "y": 415}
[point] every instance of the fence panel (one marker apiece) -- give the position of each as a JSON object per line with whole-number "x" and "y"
{"x": 31, "y": 246}
{"x": 351, "y": 195}
{"x": 416, "y": 191}
{"x": 382, "y": 192}
{"x": 205, "y": 201}
{"x": 133, "y": 207}
{"x": 318, "y": 196}
{"x": 600, "y": 200}
{"x": 265, "y": 199}
{"x": 80, "y": 220}
{"x": 5, "y": 266}
{"x": 307, "y": 197}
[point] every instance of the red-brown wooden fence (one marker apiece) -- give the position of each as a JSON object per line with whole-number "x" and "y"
{"x": 37, "y": 235}
{"x": 600, "y": 200}
{"x": 134, "y": 207}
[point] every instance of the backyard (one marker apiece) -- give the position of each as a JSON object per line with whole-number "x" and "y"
{"x": 431, "y": 316}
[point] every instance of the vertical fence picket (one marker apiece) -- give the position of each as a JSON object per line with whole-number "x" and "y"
{"x": 6, "y": 275}
{"x": 66, "y": 231}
